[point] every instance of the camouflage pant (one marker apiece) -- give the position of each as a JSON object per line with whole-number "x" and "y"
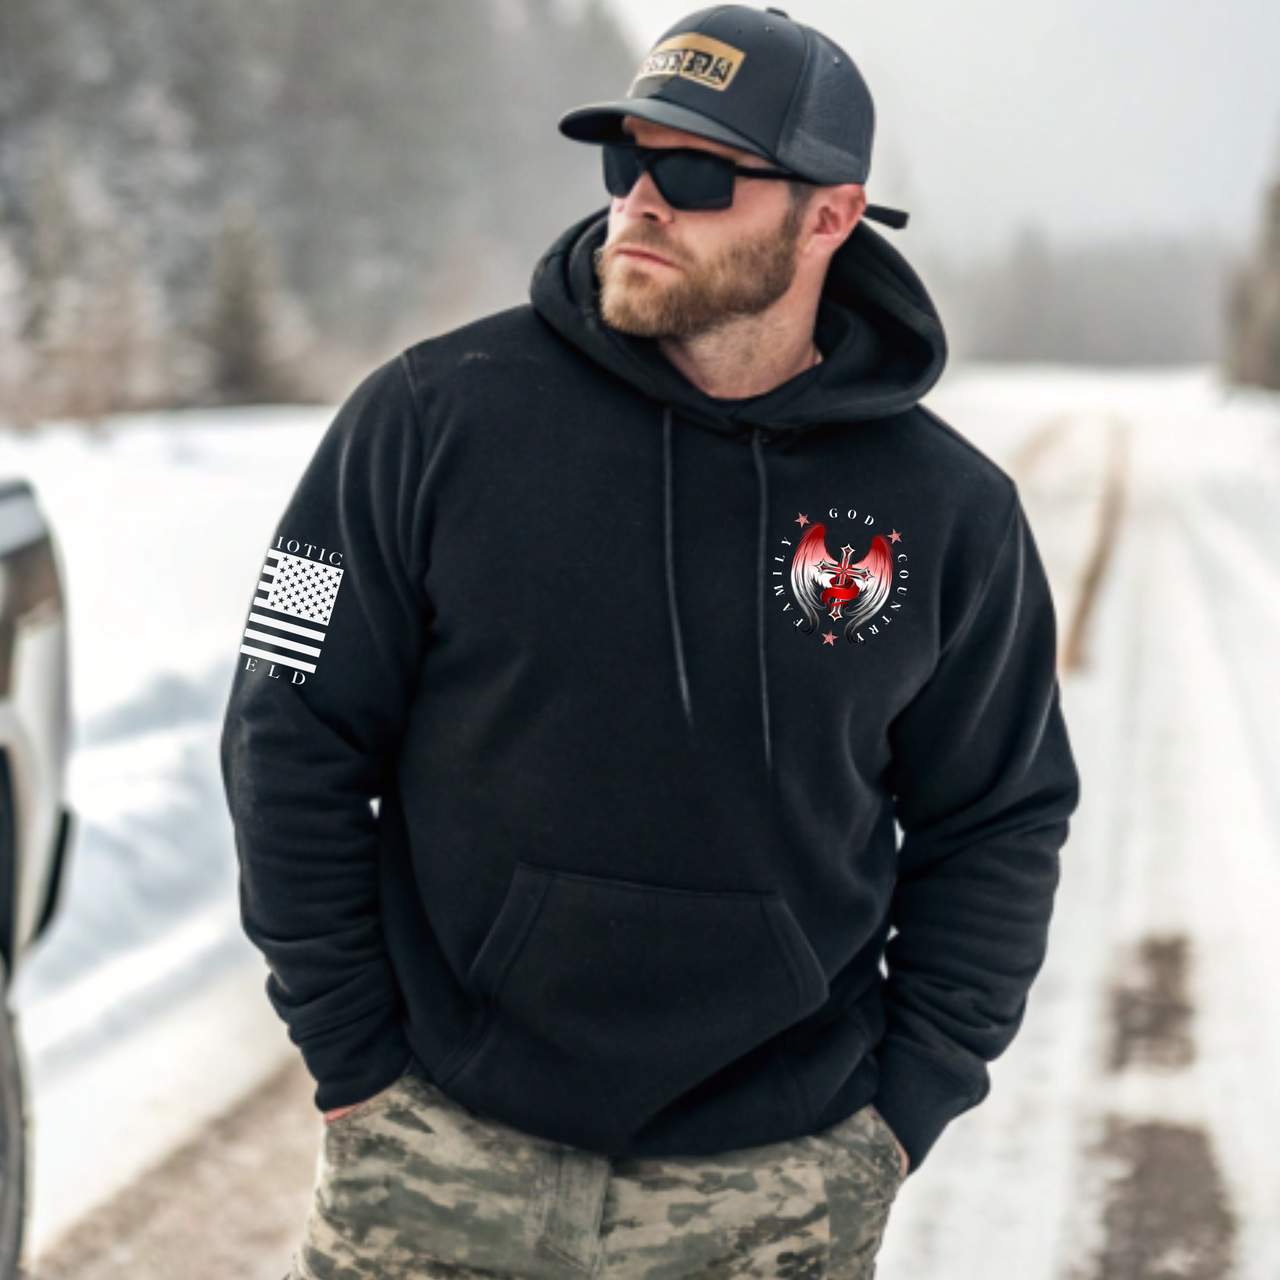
{"x": 412, "y": 1184}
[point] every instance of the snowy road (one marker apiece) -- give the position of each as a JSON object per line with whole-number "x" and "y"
{"x": 1130, "y": 1130}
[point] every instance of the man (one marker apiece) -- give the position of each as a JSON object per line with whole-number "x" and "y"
{"x": 597, "y": 655}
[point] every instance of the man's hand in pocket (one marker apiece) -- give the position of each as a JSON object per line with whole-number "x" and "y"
{"x": 340, "y": 1111}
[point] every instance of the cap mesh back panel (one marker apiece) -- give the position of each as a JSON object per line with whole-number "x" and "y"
{"x": 834, "y": 121}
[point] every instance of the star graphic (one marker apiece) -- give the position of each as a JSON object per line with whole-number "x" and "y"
{"x": 895, "y": 536}
{"x": 802, "y": 521}
{"x": 828, "y": 637}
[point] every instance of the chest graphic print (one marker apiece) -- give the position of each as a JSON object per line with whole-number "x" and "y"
{"x": 841, "y": 589}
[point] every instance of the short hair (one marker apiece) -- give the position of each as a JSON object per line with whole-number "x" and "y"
{"x": 801, "y": 193}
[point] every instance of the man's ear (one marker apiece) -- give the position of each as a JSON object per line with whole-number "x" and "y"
{"x": 833, "y": 213}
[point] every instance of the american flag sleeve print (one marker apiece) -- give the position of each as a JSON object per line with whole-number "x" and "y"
{"x": 291, "y": 610}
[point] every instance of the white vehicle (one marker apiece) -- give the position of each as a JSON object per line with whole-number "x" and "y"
{"x": 35, "y": 823}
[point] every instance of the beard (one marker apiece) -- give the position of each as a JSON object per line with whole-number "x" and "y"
{"x": 747, "y": 275}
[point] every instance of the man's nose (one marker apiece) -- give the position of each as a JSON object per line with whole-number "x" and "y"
{"x": 644, "y": 200}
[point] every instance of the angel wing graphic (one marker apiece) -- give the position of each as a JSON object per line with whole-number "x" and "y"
{"x": 841, "y": 589}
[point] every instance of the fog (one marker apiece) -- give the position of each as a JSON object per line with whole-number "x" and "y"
{"x": 1085, "y": 119}
{"x": 1083, "y": 183}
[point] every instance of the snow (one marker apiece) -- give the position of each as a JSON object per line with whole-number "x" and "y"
{"x": 161, "y": 521}
{"x": 1176, "y": 835}
{"x": 143, "y": 1012}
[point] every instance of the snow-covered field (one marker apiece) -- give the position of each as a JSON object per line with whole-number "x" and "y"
{"x": 142, "y": 1010}
{"x": 1153, "y": 500}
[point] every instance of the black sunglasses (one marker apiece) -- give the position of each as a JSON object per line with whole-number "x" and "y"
{"x": 686, "y": 177}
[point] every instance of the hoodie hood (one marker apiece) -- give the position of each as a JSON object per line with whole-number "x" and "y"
{"x": 880, "y": 335}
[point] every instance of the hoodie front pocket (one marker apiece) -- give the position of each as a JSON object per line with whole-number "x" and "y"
{"x": 605, "y": 999}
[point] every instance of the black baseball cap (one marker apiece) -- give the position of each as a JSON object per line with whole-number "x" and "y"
{"x": 753, "y": 79}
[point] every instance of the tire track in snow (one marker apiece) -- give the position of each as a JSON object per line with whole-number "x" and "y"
{"x": 1182, "y": 1181}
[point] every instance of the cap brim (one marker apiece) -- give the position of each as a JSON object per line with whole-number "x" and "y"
{"x": 602, "y": 122}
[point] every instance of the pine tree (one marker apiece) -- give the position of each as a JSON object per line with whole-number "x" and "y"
{"x": 1254, "y": 308}
{"x": 400, "y": 158}
{"x": 15, "y": 355}
{"x": 242, "y": 334}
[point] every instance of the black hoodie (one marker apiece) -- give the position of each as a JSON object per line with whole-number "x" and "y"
{"x": 577, "y": 712}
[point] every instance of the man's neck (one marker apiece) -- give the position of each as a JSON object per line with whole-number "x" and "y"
{"x": 746, "y": 356}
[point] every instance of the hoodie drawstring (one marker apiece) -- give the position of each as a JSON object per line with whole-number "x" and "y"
{"x": 668, "y": 539}
{"x": 669, "y": 551}
{"x": 757, "y": 453}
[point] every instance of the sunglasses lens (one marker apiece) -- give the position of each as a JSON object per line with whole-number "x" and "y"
{"x": 694, "y": 179}
{"x": 685, "y": 179}
{"x": 622, "y": 167}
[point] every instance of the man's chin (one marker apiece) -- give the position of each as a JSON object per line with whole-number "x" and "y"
{"x": 628, "y": 323}
{"x": 632, "y": 316}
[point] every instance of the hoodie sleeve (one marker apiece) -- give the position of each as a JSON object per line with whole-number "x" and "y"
{"x": 984, "y": 784}
{"x": 317, "y": 709}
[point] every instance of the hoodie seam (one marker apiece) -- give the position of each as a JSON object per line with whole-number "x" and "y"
{"x": 418, "y": 554}
{"x": 975, "y": 606}
{"x": 407, "y": 369}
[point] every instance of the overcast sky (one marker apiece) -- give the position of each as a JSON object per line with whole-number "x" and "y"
{"x": 1088, "y": 118}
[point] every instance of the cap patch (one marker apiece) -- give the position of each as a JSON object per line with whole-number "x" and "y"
{"x": 692, "y": 56}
